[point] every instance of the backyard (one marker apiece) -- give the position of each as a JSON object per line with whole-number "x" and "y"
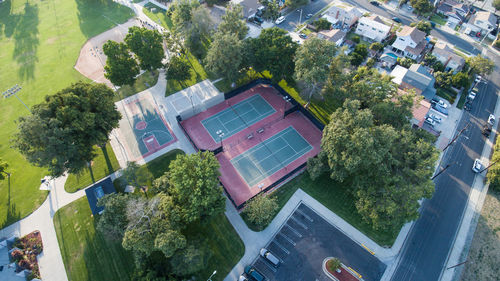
{"x": 103, "y": 164}
{"x": 40, "y": 43}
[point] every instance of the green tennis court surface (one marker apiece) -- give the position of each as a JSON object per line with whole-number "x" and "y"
{"x": 237, "y": 117}
{"x": 271, "y": 155}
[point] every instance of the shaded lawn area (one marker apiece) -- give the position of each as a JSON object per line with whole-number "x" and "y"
{"x": 39, "y": 44}
{"x": 159, "y": 14}
{"x": 224, "y": 244}
{"x": 153, "y": 169}
{"x": 86, "y": 253}
{"x": 438, "y": 19}
{"x": 336, "y": 198}
{"x": 198, "y": 74}
{"x": 143, "y": 82}
{"x": 104, "y": 163}
{"x": 448, "y": 94}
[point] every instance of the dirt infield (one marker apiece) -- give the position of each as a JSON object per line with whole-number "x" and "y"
{"x": 92, "y": 59}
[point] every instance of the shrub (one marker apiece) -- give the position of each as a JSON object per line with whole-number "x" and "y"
{"x": 16, "y": 255}
{"x": 261, "y": 209}
{"x": 497, "y": 44}
{"x": 333, "y": 264}
{"x": 376, "y": 46}
{"x": 356, "y": 39}
{"x": 24, "y": 264}
{"x": 322, "y": 24}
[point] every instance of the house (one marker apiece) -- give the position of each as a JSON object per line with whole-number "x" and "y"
{"x": 455, "y": 12}
{"x": 373, "y": 28}
{"x": 334, "y": 35}
{"x": 416, "y": 77}
{"x": 447, "y": 57}
{"x": 419, "y": 112}
{"x": 410, "y": 42}
{"x": 342, "y": 13}
{"x": 483, "y": 22}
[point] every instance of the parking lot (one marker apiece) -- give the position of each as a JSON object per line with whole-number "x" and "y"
{"x": 305, "y": 240}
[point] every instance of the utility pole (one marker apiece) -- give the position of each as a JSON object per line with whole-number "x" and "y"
{"x": 440, "y": 172}
{"x": 489, "y": 166}
{"x": 12, "y": 92}
{"x": 455, "y": 138}
{"x": 457, "y": 264}
{"x": 300, "y": 17}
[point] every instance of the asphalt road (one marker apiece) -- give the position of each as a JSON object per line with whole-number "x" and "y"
{"x": 424, "y": 255}
{"x": 293, "y": 17}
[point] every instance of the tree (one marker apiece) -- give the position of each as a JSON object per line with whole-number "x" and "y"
{"x": 189, "y": 260}
{"x": 334, "y": 264}
{"x": 358, "y": 55}
{"x": 62, "y": 131}
{"x": 316, "y": 166}
{"x": 147, "y": 46}
{"x": 3, "y": 169}
{"x": 443, "y": 79}
{"x": 322, "y": 24}
{"x": 460, "y": 80}
{"x": 496, "y": 4}
{"x": 261, "y": 209}
{"x": 493, "y": 174}
{"x": 178, "y": 69}
{"x": 233, "y": 23}
{"x": 135, "y": 176}
{"x": 480, "y": 65}
{"x": 182, "y": 14}
{"x": 295, "y": 3}
{"x": 198, "y": 30}
{"x": 421, "y": 6}
{"x": 224, "y": 57}
{"x": 198, "y": 193}
{"x": 406, "y": 62}
{"x": 376, "y": 46}
{"x": 272, "y": 9}
{"x": 311, "y": 63}
{"x": 113, "y": 221}
{"x": 274, "y": 51}
{"x": 121, "y": 68}
{"x": 423, "y": 25}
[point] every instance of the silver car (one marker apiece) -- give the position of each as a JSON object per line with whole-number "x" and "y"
{"x": 269, "y": 257}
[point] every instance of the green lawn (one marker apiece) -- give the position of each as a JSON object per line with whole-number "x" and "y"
{"x": 198, "y": 74}
{"x": 103, "y": 164}
{"x": 449, "y": 95}
{"x": 438, "y": 19}
{"x": 225, "y": 246}
{"x": 40, "y": 42}
{"x": 154, "y": 169}
{"x": 87, "y": 255}
{"x": 143, "y": 82}
{"x": 335, "y": 197}
{"x": 159, "y": 14}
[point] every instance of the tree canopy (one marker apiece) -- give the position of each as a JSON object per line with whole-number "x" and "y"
{"x": 423, "y": 25}
{"x": 480, "y": 65}
{"x": 121, "y": 68}
{"x": 261, "y": 209}
{"x": 62, "y": 131}
{"x": 233, "y": 23}
{"x": 224, "y": 57}
{"x": 178, "y": 69}
{"x": 147, "y": 45}
{"x": 113, "y": 222}
{"x": 3, "y": 169}
{"x": 421, "y": 6}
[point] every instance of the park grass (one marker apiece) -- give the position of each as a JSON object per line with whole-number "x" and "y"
{"x": 336, "y": 198}
{"x": 159, "y": 14}
{"x": 198, "y": 74}
{"x": 86, "y": 253}
{"x": 224, "y": 244}
{"x": 104, "y": 164}
{"x": 153, "y": 169}
{"x": 144, "y": 81}
{"x": 40, "y": 42}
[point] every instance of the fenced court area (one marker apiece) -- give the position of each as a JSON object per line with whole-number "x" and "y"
{"x": 260, "y": 145}
{"x": 143, "y": 128}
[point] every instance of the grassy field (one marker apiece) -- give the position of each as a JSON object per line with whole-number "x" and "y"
{"x": 143, "y": 82}
{"x": 438, "y": 19}
{"x": 87, "y": 255}
{"x": 336, "y": 198}
{"x": 484, "y": 253}
{"x": 153, "y": 169}
{"x": 103, "y": 164}
{"x": 40, "y": 42}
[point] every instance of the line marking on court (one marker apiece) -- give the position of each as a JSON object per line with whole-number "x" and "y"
{"x": 281, "y": 246}
{"x": 288, "y": 239}
{"x": 305, "y": 216}
{"x": 294, "y": 231}
{"x": 299, "y": 222}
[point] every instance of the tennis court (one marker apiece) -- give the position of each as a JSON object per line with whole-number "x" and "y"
{"x": 238, "y": 117}
{"x": 271, "y": 155}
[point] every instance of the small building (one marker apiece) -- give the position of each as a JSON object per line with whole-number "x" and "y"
{"x": 388, "y": 60}
{"x": 410, "y": 42}
{"x": 342, "y": 13}
{"x": 447, "y": 57}
{"x": 419, "y": 112}
{"x": 336, "y": 36}
{"x": 373, "y": 28}
{"x": 416, "y": 77}
{"x": 483, "y": 22}
{"x": 96, "y": 192}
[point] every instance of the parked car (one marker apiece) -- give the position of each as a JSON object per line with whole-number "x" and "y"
{"x": 478, "y": 79}
{"x": 468, "y": 105}
{"x": 487, "y": 129}
{"x": 375, "y": 3}
{"x": 435, "y": 118}
{"x": 280, "y": 20}
{"x": 471, "y": 96}
{"x": 302, "y": 35}
{"x": 442, "y": 104}
{"x": 254, "y": 274}
{"x": 243, "y": 278}
{"x": 396, "y": 19}
{"x": 477, "y": 166}
{"x": 440, "y": 109}
{"x": 430, "y": 121}
{"x": 491, "y": 119}
{"x": 268, "y": 256}
{"x": 308, "y": 16}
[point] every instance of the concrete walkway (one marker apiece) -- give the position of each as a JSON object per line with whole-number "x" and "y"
{"x": 254, "y": 241}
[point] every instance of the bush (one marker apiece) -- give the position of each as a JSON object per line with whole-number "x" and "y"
{"x": 16, "y": 255}
{"x": 333, "y": 264}
{"x": 356, "y": 39}
{"x": 497, "y": 44}
{"x": 376, "y": 46}
{"x": 261, "y": 209}
{"x": 24, "y": 264}
{"x": 406, "y": 62}
{"x": 322, "y": 24}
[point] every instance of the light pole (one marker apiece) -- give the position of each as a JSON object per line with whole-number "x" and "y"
{"x": 210, "y": 278}
{"x": 300, "y": 17}
{"x": 12, "y": 92}
{"x": 220, "y": 133}
{"x": 287, "y": 99}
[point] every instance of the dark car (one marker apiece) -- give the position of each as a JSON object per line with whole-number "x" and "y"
{"x": 254, "y": 274}
{"x": 468, "y": 106}
{"x": 487, "y": 130}
{"x": 375, "y": 3}
{"x": 396, "y": 19}
{"x": 302, "y": 35}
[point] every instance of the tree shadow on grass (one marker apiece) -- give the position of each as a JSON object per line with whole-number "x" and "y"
{"x": 8, "y": 21}
{"x": 97, "y": 16}
{"x": 13, "y": 214}
{"x": 108, "y": 161}
{"x": 26, "y": 42}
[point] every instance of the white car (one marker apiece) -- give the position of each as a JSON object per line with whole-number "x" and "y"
{"x": 442, "y": 104}
{"x": 280, "y": 20}
{"x": 430, "y": 121}
{"x": 435, "y": 118}
{"x": 478, "y": 79}
{"x": 269, "y": 257}
{"x": 491, "y": 119}
{"x": 478, "y": 166}
{"x": 471, "y": 96}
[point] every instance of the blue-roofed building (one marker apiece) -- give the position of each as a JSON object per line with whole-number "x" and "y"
{"x": 97, "y": 191}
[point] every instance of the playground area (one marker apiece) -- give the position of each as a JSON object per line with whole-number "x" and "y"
{"x": 143, "y": 130}
{"x": 261, "y": 145}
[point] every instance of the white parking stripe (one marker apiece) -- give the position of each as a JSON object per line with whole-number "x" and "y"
{"x": 299, "y": 222}
{"x": 288, "y": 239}
{"x": 281, "y": 246}
{"x": 294, "y": 231}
